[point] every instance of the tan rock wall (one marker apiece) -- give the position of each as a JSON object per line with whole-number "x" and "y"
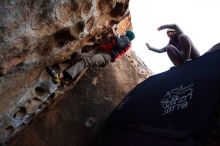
{"x": 39, "y": 33}
{"x": 44, "y": 31}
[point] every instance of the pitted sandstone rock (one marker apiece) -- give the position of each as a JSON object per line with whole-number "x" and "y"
{"x": 47, "y": 30}
{"x": 35, "y": 34}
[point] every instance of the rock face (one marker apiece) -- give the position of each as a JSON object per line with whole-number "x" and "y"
{"x": 35, "y": 34}
{"x": 76, "y": 118}
{"x": 45, "y": 31}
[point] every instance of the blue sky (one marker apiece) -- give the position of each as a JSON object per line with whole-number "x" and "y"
{"x": 197, "y": 18}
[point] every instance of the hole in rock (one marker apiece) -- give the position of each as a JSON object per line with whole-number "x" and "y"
{"x": 42, "y": 90}
{"x": 119, "y": 9}
{"x": 79, "y": 26}
{"x": 62, "y": 37}
{"x": 20, "y": 113}
{"x": 9, "y": 130}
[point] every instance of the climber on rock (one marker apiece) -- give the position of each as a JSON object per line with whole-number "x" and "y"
{"x": 108, "y": 52}
{"x": 180, "y": 48}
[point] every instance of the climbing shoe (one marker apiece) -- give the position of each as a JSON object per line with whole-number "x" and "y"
{"x": 56, "y": 77}
{"x": 66, "y": 80}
